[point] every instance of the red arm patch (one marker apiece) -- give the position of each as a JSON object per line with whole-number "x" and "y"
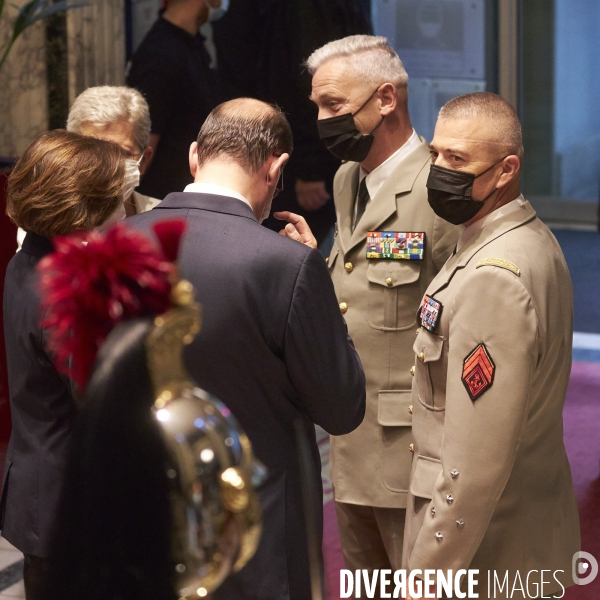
{"x": 478, "y": 372}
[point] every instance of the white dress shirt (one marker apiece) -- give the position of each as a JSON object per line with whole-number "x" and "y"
{"x": 476, "y": 227}
{"x": 218, "y": 190}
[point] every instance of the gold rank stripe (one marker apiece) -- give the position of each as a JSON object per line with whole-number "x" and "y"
{"x": 499, "y": 262}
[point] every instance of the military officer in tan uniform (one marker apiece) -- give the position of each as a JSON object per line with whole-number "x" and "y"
{"x": 388, "y": 247}
{"x": 491, "y": 486}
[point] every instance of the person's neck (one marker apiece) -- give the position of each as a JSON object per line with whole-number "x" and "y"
{"x": 185, "y": 16}
{"x": 392, "y": 134}
{"x": 130, "y": 207}
{"x": 504, "y": 196}
{"x": 231, "y": 175}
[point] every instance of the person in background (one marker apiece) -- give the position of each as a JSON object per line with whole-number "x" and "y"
{"x": 171, "y": 68}
{"x": 63, "y": 182}
{"x": 389, "y": 245}
{"x": 273, "y": 347}
{"x": 116, "y": 114}
{"x": 272, "y": 40}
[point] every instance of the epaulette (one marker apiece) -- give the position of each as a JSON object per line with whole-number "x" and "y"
{"x": 499, "y": 262}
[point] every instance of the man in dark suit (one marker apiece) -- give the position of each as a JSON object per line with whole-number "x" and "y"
{"x": 273, "y": 344}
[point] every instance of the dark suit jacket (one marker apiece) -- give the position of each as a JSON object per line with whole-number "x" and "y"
{"x": 42, "y": 408}
{"x": 274, "y": 348}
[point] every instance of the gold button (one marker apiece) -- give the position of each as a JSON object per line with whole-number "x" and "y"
{"x": 343, "y": 307}
{"x": 412, "y": 447}
{"x": 418, "y": 331}
{"x": 389, "y": 281}
{"x": 410, "y": 409}
{"x": 335, "y": 234}
{"x": 327, "y": 260}
{"x": 349, "y": 267}
{"x": 412, "y": 370}
{"x": 421, "y": 356}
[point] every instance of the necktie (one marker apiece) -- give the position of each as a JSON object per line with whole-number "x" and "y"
{"x": 362, "y": 200}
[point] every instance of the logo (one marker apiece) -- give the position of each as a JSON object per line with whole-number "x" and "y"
{"x": 585, "y": 568}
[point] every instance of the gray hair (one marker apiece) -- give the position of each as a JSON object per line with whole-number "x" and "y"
{"x": 105, "y": 104}
{"x": 504, "y": 121}
{"x": 373, "y": 59}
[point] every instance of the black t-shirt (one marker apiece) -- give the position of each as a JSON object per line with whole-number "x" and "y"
{"x": 170, "y": 68}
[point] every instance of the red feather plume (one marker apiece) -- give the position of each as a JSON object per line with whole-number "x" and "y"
{"x": 92, "y": 282}
{"x": 169, "y": 233}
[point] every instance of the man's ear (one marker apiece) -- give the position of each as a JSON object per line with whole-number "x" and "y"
{"x": 389, "y": 99}
{"x": 146, "y": 159}
{"x": 276, "y": 166}
{"x": 510, "y": 170}
{"x": 193, "y": 158}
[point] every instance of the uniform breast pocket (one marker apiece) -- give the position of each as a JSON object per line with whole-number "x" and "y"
{"x": 394, "y": 293}
{"x": 428, "y": 349}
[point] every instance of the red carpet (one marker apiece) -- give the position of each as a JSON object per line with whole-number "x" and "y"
{"x": 582, "y": 440}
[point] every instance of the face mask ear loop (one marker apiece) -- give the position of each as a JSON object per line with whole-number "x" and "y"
{"x": 490, "y": 168}
{"x": 366, "y": 102}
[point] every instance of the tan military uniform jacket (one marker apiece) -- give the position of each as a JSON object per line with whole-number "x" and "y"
{"x": 491, "y": 486}
{"x": 379, "y": 297}
{"x": 143, "y": 203}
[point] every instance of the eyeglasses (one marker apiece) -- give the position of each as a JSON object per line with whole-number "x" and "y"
{"x": 279, "y": 186}
{"x": 137, "y": 156}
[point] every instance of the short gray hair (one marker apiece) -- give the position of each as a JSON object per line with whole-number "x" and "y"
{"x": 106, "y": 104}
{"x": 373, "y": 59}
{"x": 505, "y": 124}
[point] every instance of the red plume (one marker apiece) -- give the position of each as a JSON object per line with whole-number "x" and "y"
{"x": 92, "y": 282}
{"x": 169, "y": 232}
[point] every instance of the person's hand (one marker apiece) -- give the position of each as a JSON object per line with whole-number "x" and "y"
{"x": 296, "y": 229}
{"x": 311, "y": 195}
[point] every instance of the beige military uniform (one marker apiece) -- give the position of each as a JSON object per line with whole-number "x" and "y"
{"x": 491, "y": 486}
{"x": 370, "y": 467}
{"x": 143, "y": 203}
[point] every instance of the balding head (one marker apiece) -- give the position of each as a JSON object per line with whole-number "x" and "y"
{"x": 246, "y": 131}
{"x": 502, "y": 128}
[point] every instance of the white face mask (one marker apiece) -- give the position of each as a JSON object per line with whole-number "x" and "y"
{"x": 132, "y": 176}
{"x": 214, "y": 14}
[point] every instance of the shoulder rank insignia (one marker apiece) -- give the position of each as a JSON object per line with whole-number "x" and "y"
{"x": 478, "y": 372}
{"x": 499, "y": 262}
{"x": 396, "y": 246}
{"x": 431, "y": 310}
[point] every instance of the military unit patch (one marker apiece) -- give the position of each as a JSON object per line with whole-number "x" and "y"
{"x": 478, "y": 372}
{"x": 395, "y": 245}
{"x": 431, "y": 310}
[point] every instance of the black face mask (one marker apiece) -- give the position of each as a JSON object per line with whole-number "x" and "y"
{"x": 343, "y": 139}
{"x": 449, "y": 194}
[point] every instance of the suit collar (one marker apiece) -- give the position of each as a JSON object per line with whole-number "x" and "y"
{"x": 209, "y": 202}
{"x": 383, "y": 205}
{"x": 488, "y": 234}
{"x": 37, "y": 245}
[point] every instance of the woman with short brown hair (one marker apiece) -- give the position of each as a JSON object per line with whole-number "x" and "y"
{"x": 63, "y": 182}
